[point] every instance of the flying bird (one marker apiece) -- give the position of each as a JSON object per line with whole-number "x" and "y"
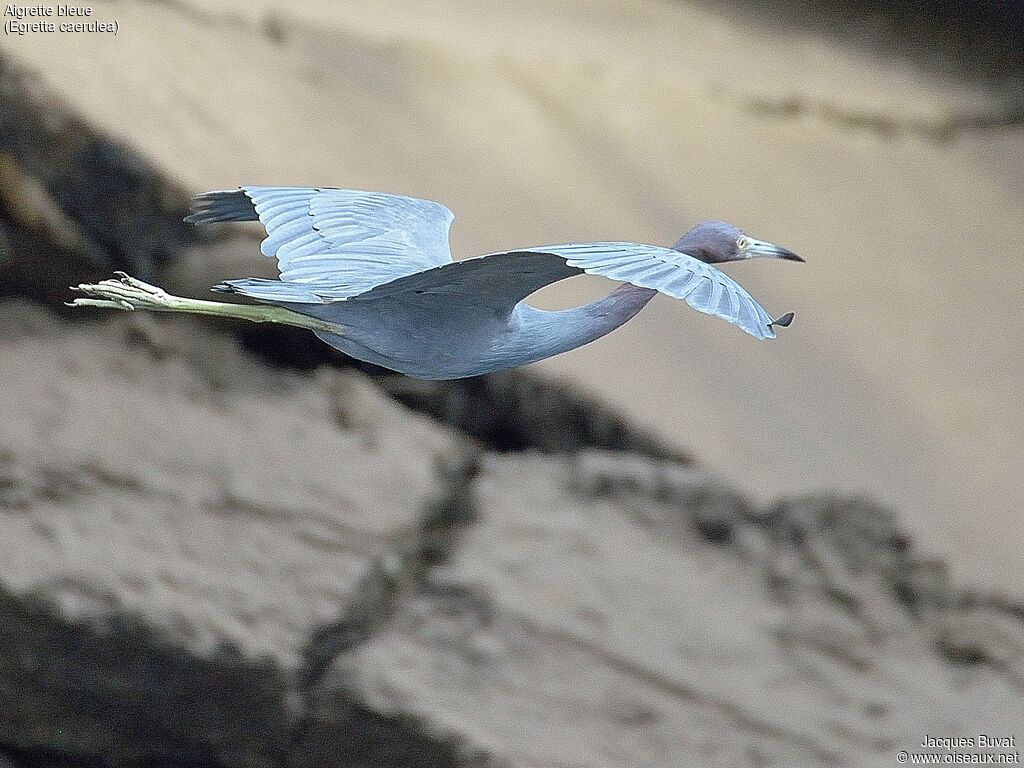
{"x": 371, "y": 274}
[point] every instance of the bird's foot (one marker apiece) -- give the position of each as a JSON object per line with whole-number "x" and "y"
{"x": 127, "y": 293}
{"x": 131, "y": 294}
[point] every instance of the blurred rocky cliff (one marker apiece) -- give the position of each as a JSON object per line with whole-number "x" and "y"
{"x": 230, "y": 547}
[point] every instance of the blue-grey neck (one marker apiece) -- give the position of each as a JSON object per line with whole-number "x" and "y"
{"x": 536, "y": 334}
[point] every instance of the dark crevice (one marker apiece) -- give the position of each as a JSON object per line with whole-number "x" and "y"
{"x": 73, "y": 203}
{"x": 508, "y": 411}
{"x": 939, "y": 129}
{"x": 367, "y": 610}
{"x": 977, "y": 40}
{"x": 359, "y": 737}
{"x": 362, "y": 736}
{"x": 44, "y": 757}
{"x": 121, "y": 690}
{"x": 962, "y": 654}
{"x": 520, "y": 411}
{"x": 979, "y": 44}
{"x": 399, "y": 568}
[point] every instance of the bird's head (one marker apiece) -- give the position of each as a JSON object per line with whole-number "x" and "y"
{"x": 716, "y": 241}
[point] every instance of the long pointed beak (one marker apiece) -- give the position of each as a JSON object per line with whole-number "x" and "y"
{"x": 756, "y": 248}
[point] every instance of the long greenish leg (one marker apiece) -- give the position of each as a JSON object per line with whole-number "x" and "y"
{"x": 130, "y": 294}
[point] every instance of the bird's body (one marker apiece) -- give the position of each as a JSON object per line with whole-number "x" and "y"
{"x": 413, "y": 339}
{"x": 371, "y": 275}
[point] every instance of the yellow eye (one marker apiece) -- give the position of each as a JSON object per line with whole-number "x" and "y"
{"x": 743, "y": 242}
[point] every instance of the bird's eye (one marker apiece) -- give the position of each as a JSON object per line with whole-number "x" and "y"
{"x": 743, "y": 242}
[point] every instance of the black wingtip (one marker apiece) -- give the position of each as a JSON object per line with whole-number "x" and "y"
{"x": 222, "y": 205}
{"x": 783, "y": 321}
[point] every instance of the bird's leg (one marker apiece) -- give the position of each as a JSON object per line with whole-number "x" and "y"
{"x": 130, "y": 294}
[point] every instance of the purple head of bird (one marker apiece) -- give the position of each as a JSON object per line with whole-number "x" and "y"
{"x": 716, "y": 241}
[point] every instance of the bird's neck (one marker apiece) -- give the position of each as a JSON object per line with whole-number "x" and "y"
{"x": 542, "y": 334}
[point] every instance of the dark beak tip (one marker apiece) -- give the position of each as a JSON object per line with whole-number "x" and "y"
{"x": 790, "y": 256}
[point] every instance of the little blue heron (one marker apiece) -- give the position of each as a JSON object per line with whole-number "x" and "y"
{"x": 371, "y": 275}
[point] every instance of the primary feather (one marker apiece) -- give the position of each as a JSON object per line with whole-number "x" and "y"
{"x": 344, "y": 239}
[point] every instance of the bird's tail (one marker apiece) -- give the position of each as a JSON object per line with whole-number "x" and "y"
{"x": 274, "y": 291}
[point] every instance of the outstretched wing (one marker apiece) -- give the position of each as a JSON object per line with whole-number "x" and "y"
{"x": 501, "y": 280}
{"x": 342, "y": 239}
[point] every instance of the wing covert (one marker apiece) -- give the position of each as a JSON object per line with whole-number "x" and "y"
{"x": 501, "y": 280}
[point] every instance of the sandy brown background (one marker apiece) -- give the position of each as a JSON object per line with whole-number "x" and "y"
{"x": 397, "y": 588}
